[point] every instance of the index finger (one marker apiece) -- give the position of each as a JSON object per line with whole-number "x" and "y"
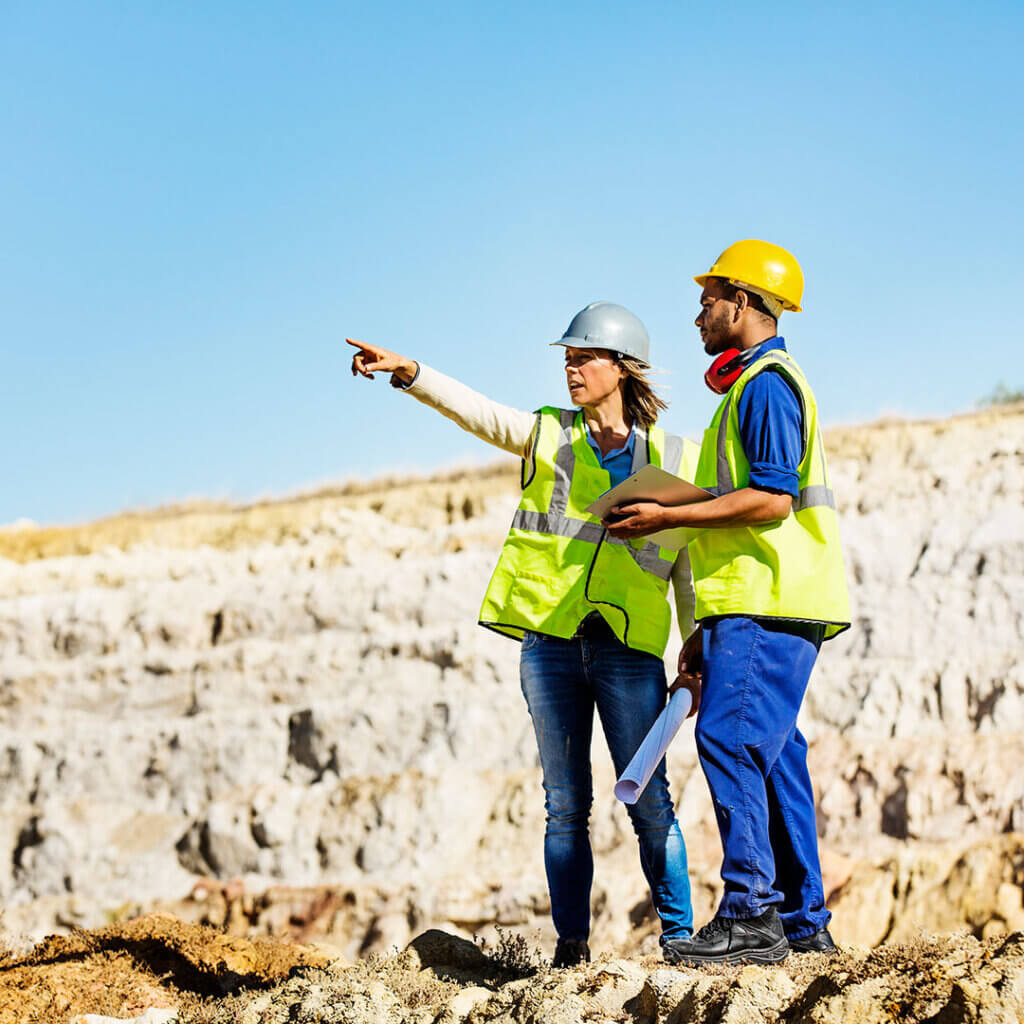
{"x": 620, "y": 528}
{"x": 360, "y": 345}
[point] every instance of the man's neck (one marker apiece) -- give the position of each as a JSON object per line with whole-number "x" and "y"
{"x": 754, "y": 336}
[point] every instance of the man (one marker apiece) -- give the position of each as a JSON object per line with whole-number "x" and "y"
{"x": 770, "y": 584}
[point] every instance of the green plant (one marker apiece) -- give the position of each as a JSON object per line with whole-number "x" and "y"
{"x": 1002, "y": 395}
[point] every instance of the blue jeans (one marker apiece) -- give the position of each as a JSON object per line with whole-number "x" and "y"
{"x": 755, "y": 760}
{"x": 563, "y": 681}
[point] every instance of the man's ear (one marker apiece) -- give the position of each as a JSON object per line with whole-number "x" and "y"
{"x": 742, "y": 301}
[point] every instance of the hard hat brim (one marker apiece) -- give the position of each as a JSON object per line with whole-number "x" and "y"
{"x": 585, "y": 343}
{"x": 589, "y": 343}
{"x": 701, "y": 279}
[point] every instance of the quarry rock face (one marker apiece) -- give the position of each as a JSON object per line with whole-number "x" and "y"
{"x": 296, "y": 700}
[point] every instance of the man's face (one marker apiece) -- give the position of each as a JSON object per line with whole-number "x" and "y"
{"x": 717, "y": 319}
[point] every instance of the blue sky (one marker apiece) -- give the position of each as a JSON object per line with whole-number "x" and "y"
{"x": 198, "y": 203}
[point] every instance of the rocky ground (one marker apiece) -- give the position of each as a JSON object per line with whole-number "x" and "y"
{"x": 282, "y": 719}
{"x": 155, "y": 970}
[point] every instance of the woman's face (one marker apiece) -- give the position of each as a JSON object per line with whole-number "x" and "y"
{"x": 592, "y": 374}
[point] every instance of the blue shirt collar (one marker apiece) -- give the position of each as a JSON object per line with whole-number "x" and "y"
{"x": 627, "y": 447}
{"x": 766, "y": 346}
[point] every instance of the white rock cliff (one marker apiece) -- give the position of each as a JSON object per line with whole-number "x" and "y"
{"x": 314, "y": 705}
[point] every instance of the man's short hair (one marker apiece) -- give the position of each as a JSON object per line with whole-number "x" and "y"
{"x": 754, "y": 300}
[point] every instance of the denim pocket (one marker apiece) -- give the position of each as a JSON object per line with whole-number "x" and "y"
{"x": 530, "y": 639}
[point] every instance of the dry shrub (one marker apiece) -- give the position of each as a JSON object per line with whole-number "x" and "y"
{"x": 513, "y": 955}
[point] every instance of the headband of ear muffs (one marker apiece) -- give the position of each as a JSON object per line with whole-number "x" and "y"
{"x": 725, "y": 370}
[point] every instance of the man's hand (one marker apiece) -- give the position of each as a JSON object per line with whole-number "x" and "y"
{"x": 689, "y": 667}
{"x": 635, "y": 520}
{"x": 371, "y": 358}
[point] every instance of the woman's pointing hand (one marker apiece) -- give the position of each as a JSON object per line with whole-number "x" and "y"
{"x": 372, "y": 358}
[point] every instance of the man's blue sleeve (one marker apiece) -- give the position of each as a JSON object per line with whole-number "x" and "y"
{"x": 771, "y": 429}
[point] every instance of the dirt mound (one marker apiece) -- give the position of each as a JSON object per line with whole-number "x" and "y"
{"x": 212, "y": 978}
{"x": 947, "y": 980}
{"x": 125, "y": 968}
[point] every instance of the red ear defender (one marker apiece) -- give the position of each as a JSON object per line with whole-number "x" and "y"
{"x": 724, "y": 371}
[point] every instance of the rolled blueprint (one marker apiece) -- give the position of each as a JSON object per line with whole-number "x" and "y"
{"x": 634, "y": 779}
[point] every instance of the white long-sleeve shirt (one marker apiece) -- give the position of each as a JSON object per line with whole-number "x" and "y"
{"x": 512, "y": 430}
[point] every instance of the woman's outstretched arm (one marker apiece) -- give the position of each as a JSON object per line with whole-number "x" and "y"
{"x": 506, "y": 428}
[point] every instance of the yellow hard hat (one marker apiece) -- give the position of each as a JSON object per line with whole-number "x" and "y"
{"x": 767, "y": 268}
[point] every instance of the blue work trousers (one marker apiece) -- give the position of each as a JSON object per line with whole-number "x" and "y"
{"x": 563, "y": 681}
{"x": 755, "y": 760}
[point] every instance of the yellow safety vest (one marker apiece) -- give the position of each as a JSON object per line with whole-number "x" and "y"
{"x": 792, "y": 569}
{"x": 559, "y": 564}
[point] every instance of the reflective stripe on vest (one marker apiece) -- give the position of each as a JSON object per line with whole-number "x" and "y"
{"x": 787, "y": 569}
{"x": 810, "y": 497}
{"x": 557, "y": 523}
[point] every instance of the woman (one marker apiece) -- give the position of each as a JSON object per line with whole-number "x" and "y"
{"x": 591, "y": 611}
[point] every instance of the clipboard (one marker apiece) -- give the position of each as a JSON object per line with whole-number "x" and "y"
{"x": 654, "y": 484}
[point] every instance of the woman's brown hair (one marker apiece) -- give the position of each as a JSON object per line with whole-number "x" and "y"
{"x": 642, "y": 403}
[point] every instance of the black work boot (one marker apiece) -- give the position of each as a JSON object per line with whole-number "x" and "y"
{"x": 570, "y": 952}
{"x": 732, "y": 940}
{"x": 819, "y": 942}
